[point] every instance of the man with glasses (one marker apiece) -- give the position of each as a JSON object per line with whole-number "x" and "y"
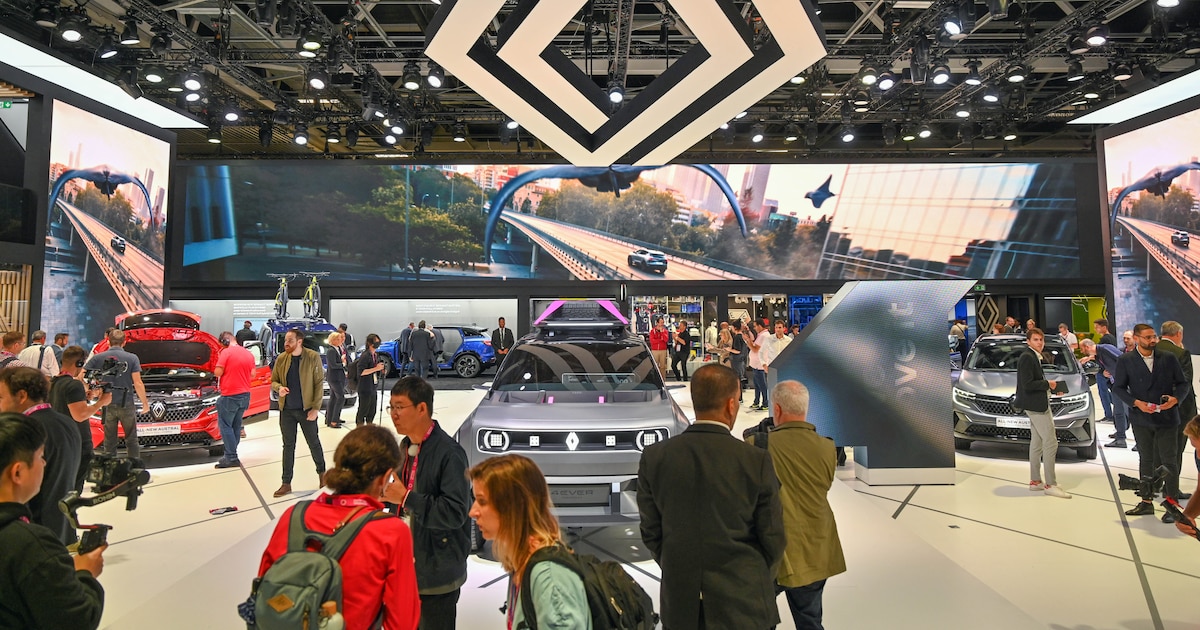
{"x": 433, "y": 494}
{"x": 1151, "y": 382}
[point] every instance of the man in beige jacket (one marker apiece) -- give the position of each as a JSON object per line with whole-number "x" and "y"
{"x": 299, "y": 379}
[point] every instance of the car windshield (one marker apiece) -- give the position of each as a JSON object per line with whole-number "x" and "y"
{"x": 1001, "y": 356}
{"x": 657, "y": 255}
{"x": 578, "y": 366}
{"x": 313, "y": 340}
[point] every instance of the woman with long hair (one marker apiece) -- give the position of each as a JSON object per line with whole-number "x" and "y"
{"x": 724, "y": 345}
{"x": 335, "y": 374}
{"x": 512, "y": 509}
{"x": 368, "y": 365}
{"x": 379, "y": 579}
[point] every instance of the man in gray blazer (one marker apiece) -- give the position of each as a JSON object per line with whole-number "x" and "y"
{"x": 711, "y": 516}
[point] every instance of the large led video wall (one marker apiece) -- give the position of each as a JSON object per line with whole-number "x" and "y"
{"x": 106, "y": 232}
{"x": 1152, "y": 181}
{"x": 680, "y": 222}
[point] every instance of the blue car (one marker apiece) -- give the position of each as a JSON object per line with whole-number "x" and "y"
{"x": 465, "y": 349}
{"x": 316, "y": 335}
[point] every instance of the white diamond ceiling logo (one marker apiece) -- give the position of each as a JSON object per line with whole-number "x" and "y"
{"x": 529, "y": 79}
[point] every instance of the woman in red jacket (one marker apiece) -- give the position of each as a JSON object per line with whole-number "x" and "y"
{"x": 377, "y": 569}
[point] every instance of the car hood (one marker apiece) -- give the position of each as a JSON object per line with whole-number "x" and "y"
{"x": 1005, "y": 383}
{"x": 660, "y": 412}
{"x": 171, "y": 347}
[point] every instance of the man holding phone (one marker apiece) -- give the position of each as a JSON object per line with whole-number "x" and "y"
{"x": 1151, "y": 383}
{"x": 1033, "y": 395}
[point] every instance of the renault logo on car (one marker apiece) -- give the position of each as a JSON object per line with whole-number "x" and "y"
{"x": 158, "y": 410}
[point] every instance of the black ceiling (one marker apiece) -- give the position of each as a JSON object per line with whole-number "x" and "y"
{"x": 367, "y": 46}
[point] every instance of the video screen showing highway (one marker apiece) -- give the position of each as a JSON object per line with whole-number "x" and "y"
{"x": 677, "y": 222}
{"x": 107, "y": 224}
{"x": 1152, "y": 176}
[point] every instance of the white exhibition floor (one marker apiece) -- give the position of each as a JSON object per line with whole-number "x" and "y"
{"x": 984, "y": 553}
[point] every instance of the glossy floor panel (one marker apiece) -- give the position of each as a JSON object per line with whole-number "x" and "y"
{"x": 983, "y": 553}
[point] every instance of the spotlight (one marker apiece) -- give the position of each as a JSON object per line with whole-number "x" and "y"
{"x": 616, "y": 93}
{"x": 965, "y": 19}
{"x": 318, "y": 78}
{"x": 724, "y": 126}
{"x": 1010, "y": 134}
{"x": 952, "y": 25}
{"x": 1017, "y": 73}
{"x": 301, "y": 134}
{"x": 460, "y": 133}
{"x": 1191, "y": 45}
{"x": 924, "y": 132}
{"x": 861, "y": 97}
{"x": 1121, "y": 71}
{"x": 333, "y": 134}
{"x": 966, "y": 131}
{"x": 941, "y": 73}
{"x": 304, "y": 52}
{"x": 973, "y": 77}
{"x": 214, "y": 134}
{"x": 511, "y": 124}
{"x": 846, "y": 134}
{"x": 129, "y": 35}
{"x": 396, "y": 126}
{"x": 869, "y": 74}
{"x": 412, "y": 76}
{"x": 1091, "y": 95}
{"x": 907, "y": 134}
{"x": 963, "y": 110}
{"x": 1077, "y": 44}
{"x": 265, "y": 133}
{"x": 1167, "y": 4}
{"x": 797, "y": 80}
{"x": 991, "y": 131}
{"x": 436, "y": 76}
{"x": 264, "y": 12}
{"x": 155, "y": 74}
{"x": 46, "y": 14}
{"x": 191, "y": 97}
{"x": 310, "y": 39}
{"x": 72, "y": 26}
{"x": 887, "y": 81}
{"x": 791, "y": 133}
{"x": 128, "y": 80}
{"x": 918, "y": 63}
{"x": 1097, "y": 35}
{"x": 230, "y": 113}
{"x": 389, "y": 139}
{"x": 160, "y": 43}
{"x": 889, "y": 133}
{"x": 740, "y": 115}
{"x": 757, "y": 133}
{"x": 991, "y": 94}
{"x": 1075, "y": 71}
{"x": 193, "y": 81}
{"x": 177, "y": 86}
{"x": 351, "y": 136}
{"x": 107, "y": 48}
{"x": 811, "y": 133}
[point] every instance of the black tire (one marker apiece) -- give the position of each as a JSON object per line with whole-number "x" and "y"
{"x": 216, "y": 450}
{"x": 961, "y": 444}
{"x": 468, "y": 365}
{"x": 633, "y": 262}
{"x": 389, "y": 366}
{"x": 1089, "y": 452}
{"x": 313, "y": 308}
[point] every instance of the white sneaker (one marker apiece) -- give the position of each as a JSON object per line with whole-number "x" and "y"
{"x": 1056, "y": 491}
{"x": 1036, "y": 486}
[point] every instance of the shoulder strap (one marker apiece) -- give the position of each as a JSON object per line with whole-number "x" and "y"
{"x": 41, "y": 356}
{"x": 332, "y": 545}
{"x": 6, "y": 360}
{"x": 557, "y": 553}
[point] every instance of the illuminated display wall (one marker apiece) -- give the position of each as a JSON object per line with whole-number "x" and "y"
{"x": 1002, "y": 221}
{"x": 106, "y": 232}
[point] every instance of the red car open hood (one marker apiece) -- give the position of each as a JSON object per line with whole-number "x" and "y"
{"x": 170, "y": 343}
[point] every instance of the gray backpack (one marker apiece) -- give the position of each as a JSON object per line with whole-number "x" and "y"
{"x": 294, "y": 590}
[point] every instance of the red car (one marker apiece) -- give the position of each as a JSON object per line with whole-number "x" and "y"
{"x": 177, "y": 368}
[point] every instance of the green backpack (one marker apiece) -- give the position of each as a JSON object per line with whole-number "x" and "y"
{"x": 296, "y": 589}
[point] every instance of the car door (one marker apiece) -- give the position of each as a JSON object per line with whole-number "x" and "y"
{"x": 451, "y": 341}
{"x": 260, "y": 381}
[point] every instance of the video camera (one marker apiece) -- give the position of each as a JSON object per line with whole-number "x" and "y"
{"x": 1148, "y": 486}
{"x": 113, "y": 477}
{"x": 110, "y": 368}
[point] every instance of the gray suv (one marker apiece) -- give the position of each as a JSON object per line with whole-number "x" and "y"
{"x": 983, "y": 395}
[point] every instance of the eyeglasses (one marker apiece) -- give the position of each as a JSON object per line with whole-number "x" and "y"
{"x": 1148, "y": 337}
{"x": 391, "y": 408}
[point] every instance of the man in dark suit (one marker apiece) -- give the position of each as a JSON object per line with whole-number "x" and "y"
{"x": 1171, "y": 340}
{"x": 420, "y": 345}
{"x": 406, "y": 347}
{"x": 711, "y": 516}
{"x": 1151, "y": 383}
{"x": 502, "y": 341}
{"x": 1033, "y": 395}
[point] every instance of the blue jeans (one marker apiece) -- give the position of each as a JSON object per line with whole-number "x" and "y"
{"x": 760, "y": 386}
{"x": 805, "y": 604}
{"x": 1120, "y": 417}
{"x": 230, "y": 410}
{"x": 1105, "y": 393}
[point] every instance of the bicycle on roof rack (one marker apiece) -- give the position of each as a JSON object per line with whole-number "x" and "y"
{"x": 312, "y": 293}
{"x": 281, "y": 296}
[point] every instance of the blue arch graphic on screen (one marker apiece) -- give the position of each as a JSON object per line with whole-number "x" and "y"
{"x": 1157, "y": 183}
{"x": 104, "y": 178}
{"x": 612, "y": 179}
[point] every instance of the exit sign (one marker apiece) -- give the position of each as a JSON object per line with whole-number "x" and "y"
{"x": 980, "y": 288}
{"x": 6, "y": 104}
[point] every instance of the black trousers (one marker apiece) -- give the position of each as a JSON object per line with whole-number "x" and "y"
{"x": 337, "y": 396}
{"x": 1158, "y": 446}
{"x": 439, "y": 612}
{"x": 680, "y": 359}
{"x": 289, "y": 421}
{"x": 366, "y": 402}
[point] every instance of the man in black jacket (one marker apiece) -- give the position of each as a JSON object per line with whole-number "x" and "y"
{"x": 502, "y": 340}
{"x": 433, "y": 491}
{"x": 1033, "y": 395}
{"x": 42, "y": 586}
{"x": 711, "y": 517}
{"x": 1151, "y": 382}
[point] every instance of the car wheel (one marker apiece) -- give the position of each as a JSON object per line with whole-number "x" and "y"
{"x": 961, "y": 444}
{"x": 389, "y": 367}
{"x": 468, "y": 366}
{"x": 1089, "y": 452}
{"x": 216, "y": 451}
{"x": 632, "y": 262}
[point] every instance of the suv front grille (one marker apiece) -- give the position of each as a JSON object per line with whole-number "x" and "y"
{"x": 167, "y": 440}
{"x": 1001, "y": 407}
{"x": 1064, "y": 436}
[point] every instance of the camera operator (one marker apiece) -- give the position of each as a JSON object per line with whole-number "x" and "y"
{"x": 123, "y": 386}
{"x": 43, "y": 587}
{"x": 1192, "y": 511}
{"x": 69, "y": 397}
{"x": 23, "y": 390}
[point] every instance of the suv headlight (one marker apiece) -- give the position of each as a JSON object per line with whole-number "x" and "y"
{"x": 963, "y": 397}
{"x": 1085, "y": 398}
{"x": 649, "y": 437}
{"x": 493, "y": 441}
{"x": 211, "y": 400}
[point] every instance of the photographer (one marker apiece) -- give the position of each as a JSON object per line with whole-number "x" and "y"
{"x": 43, "y": 587}
{"x": 123, "y": 384}
{"x": 23, "y": 390}
{"x": 1192, "y": 511}
{"x": 69, "y": 397}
